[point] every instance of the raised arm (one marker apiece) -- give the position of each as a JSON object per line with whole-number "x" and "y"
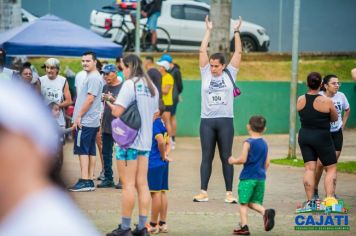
{"x": 203, "y": 51}
{"x": 236, "y": 57}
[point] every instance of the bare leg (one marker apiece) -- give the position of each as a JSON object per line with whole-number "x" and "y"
{"x": 174, "y": 125}
{"x": 154, "y": 37}
{"x": 243, "y": 214}
{"x": 92, "y": 161}
{"x": 257, "y": 207}
{"x": 309, "y": 178}
{"x": 167, "y": 121}
{"x": 84, "y": 166}
{"x": 128, "y": 178}
{"x": 164, "y": 207}
{"x": 318, "y": 173}
{"x": 144, "y": 197}
{"x": 99, "y": 143}
{"x": 156, "y": 206}
{"x": 330, "y": 180}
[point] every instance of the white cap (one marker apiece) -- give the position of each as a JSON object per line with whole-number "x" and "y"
{"x": 24, "y": 112}
{"x": 164, "y": 64}
{"x": 52, "y": 62}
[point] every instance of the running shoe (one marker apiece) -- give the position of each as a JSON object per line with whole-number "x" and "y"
{"x": 152, "y": 229}
{"x": 242, "y": 231}
{"x": 268, "y": 219}
{"x": 230, "y": 198}
{"x": 163, "y": 228}
{"x": 201, "y": 197}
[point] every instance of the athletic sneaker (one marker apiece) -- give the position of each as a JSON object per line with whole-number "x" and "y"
{"x": 173, "y": 144}
{"x": 163, "y": 228}
{"x": 91, "y": 184}
{"x": 101, "y": 176}
{"x": 242, "y": 231}
{"x": 230, "y": 198}
{"x": 140, "y": 232}
{"x": 152, "y": 229}
{"x": 268, "y": 219}
{"x": 83, "y": 185}
{"x": 120, "y": 232}
{"x": 201, "y": 197}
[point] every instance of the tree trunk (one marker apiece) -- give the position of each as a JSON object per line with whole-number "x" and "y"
{"x": 220, "y": 14}
{"x": 10, "y": 14}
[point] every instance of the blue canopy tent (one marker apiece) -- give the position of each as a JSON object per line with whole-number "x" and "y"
{"x": 53, "y": 36}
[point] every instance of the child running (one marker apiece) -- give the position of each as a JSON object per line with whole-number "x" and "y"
{"x": 253, "y": 175}
{"x": 158, "y": 174}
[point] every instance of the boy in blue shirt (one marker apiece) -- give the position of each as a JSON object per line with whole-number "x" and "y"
{"x": 253, "y": 175}
{"x": 158, "y": 174}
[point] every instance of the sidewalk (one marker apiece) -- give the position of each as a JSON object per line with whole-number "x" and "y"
{"x": 284, "y": 190}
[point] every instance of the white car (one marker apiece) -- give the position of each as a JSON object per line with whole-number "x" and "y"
{"x": 185, "y": 23}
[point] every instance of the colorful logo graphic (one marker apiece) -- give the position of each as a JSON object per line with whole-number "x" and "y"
{"x": 330, "y": 214}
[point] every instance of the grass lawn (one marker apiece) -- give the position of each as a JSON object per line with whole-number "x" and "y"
{"x": 254, "y": 67}
{"x": 345, "y": 167}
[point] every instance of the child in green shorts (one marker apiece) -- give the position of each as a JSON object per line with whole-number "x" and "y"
{"x": 253, "y": 175}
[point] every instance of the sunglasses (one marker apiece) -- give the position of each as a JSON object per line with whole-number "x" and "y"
{"x": 335, "y": 83}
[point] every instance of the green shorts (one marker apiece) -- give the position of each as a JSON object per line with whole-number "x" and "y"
{"x": 251, "y": 191}
{"x": 129, "y": 154}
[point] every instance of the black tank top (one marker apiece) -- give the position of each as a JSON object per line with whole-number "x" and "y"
{"x": 311, "y": 118}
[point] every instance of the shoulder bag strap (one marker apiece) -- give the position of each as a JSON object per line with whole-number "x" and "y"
{"x": 230, "y": 77}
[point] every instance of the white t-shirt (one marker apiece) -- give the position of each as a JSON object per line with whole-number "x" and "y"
{"x": 53, "y": 91}
{"x": 147, "y": 106}
{"x": 79, "y": 80}
{"x": 217, "y": 93}
{"x": 49, "y": 212}
{"x": 341, "y": 104}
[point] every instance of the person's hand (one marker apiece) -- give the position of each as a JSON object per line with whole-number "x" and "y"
{"x": 209, "y": 24}
{"x": 77, "y": 124}
{"x": 238, "y": 24}
{"x": 167, "y": 159}
{"x": 144, "y": 14}
{"x": 231, "y": 160}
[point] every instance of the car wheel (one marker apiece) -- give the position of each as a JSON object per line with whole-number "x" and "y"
{"x": 248, "y": 44}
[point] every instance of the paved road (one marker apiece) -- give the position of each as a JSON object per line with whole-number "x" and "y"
{"x": 284, "y": 190}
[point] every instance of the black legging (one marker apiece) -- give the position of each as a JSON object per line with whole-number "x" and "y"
{"x": 220, "y": 131}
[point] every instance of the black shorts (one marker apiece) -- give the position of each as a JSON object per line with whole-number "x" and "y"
{"x": 85, "y": 141}
{"x": 168, "y": 109}
{"x": 316, "y": 143}
{"x": 338, "y": 139}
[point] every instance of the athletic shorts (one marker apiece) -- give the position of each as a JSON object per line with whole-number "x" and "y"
{"x": 130, "y": 154}
{"x": 251, "y": 191}
{"x": 174, "y": 108}
{"x": 152, "y": 21}
{"x": 316, "y": 143}
{"x": 158, "y": 178}
{"x": 85, "y": 141}
{"x": 168, "y": 109}
{"x": 338, "y": 139}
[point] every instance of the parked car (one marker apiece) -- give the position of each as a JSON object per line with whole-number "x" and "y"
{"x": 185, "y": 23}
{"x": 27, "y": 17}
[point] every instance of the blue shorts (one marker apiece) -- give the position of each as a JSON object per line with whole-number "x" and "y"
{"x": 158, "y": 178}
{"x": 152, "y": 21}
{"x": 84, "y": 141}
{"x": 129, "y": 154}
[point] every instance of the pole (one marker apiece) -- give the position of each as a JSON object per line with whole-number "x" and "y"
{"x": 137, "y": 33}
{"x": 280, "y": 26}
{"x": 293, "y": 84}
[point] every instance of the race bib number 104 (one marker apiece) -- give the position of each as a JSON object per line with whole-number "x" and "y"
{"x": 217, "y": 98}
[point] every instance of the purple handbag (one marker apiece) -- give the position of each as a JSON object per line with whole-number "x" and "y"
{"x": 236, "y": 90}
{"x": 126, "y": 127}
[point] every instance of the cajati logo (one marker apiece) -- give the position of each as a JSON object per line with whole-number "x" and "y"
{"x": 330, "y": 214}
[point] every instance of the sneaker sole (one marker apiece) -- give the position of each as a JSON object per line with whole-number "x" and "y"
{"x": 201, "y": 200}
{"x": 270, "y": 220}
{"x": 81, "y": 190}
{"x": 231, "y": 202}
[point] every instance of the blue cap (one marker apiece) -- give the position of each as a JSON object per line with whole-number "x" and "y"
{"x": 166, "y": 57}
{"x": 108, "y": 68}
